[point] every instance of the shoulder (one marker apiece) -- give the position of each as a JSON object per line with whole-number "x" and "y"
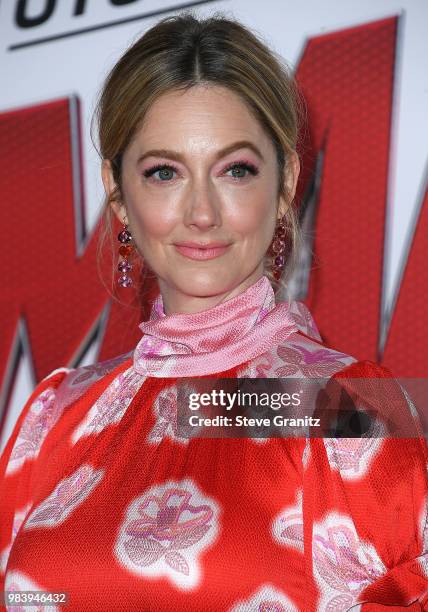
{"x": 37, "y": 417}
{"x": 305, "y": 353}
{"x": 302, "y": 354}
{"x": 392, "y": 405}
{"x": 45, "y": 405}
{"x": 72, "y": 383}
{"x": 79, "y": 379}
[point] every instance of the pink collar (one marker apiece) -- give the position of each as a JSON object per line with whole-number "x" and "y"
{"x": 216, "y": 339}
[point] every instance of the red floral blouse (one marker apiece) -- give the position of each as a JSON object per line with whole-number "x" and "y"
{"x": 103, "y": 499}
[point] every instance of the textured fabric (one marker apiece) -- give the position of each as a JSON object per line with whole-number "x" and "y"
{"x": 102, "y": 498}
{"x": 234, "y": 331}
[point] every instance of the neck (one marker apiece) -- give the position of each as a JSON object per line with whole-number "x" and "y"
{"x": 215, "y": 339}
{"x": 177, "y": 301}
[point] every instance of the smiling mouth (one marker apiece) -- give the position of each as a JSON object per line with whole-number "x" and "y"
{"x": 201, "y": 253}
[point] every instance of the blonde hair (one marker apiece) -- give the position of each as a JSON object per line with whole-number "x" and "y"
{"x": 182, "y": 51}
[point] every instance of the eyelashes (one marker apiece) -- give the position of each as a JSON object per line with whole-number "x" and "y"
{"x": 240, "y": 164}
{"x": 148, "y": 173}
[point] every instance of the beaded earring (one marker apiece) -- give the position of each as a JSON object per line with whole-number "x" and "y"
{"x": 124, "y": 266}
{"x": 277, "y": 249}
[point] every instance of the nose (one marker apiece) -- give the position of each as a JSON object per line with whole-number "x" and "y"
{"x": 203, "y": 207}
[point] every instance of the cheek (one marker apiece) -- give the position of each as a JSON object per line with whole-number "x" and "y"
{"x": 150, "y": 216}
{"x": 256, "y": 218}
{"x": 153, "y": 222}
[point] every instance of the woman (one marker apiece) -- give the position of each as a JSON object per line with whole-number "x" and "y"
{"x": 103, "y": 497}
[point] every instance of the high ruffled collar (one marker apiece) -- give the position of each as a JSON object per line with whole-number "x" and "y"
{"x": 213, "y": 340}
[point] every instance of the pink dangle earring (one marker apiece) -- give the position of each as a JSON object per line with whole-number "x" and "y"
{"x": 124, "y": 266}
{"x": 277, "y": 249}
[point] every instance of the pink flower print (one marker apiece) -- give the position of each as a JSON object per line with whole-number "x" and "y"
{"x": 40, "y": 418}
{"x": 271, "y": 606}
{"x": 93, "y": 371}
{"x": 149, "y": 346}
{"x": 96, "y": 370}
{"x": 313, "y": 364}
{"x": 267, "y": 599}
{"x": 352, "y": 456}
{"x": 167, "y": 523}
{"x": 67, "y": 495}
{"x": 167, "y": 520}
{"x": 342, "y": 562}
{"x": 319, "y": 356}
{"x": 111, "y": 405}
{"x": 287, "y": 527}
{"x": 165, "y": 407}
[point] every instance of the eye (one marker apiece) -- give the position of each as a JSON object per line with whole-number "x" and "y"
{"x": 239, "y": 166}
{"x": 163, "y": 169}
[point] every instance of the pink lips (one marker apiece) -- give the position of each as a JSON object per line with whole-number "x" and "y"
{"x": 193, "y": 250}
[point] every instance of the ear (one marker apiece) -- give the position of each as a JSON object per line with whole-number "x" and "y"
{"x": 109, "y": 187}
{"x": 292, "y": 171}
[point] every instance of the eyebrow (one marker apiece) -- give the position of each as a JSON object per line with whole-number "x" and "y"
{"x": 240, "y": 144}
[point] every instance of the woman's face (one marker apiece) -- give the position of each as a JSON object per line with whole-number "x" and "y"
{"x": 201, "y": 170}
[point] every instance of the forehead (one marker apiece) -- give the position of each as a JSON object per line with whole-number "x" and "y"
{"x": 204, "y": 112}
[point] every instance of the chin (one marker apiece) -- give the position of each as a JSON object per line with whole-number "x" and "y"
{"x": 205, "y": 284}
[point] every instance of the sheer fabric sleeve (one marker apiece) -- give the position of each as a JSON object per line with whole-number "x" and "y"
{"x": 366, "y": 502}
{"x": 36, "y": 419}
